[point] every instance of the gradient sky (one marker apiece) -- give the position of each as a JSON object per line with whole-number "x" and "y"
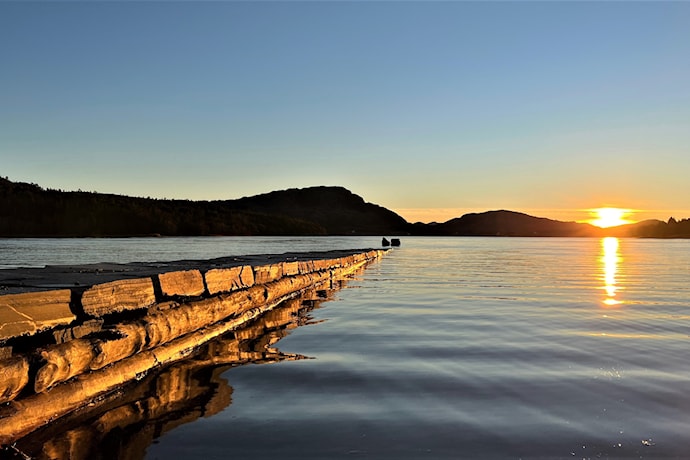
{"x": 432, "y": 109}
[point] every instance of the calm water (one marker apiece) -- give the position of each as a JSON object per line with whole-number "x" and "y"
{"x": 471, "y": 348}
{"x": 39, "y": 252}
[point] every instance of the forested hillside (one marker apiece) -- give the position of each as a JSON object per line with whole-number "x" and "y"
{"x": 28, "y": 210}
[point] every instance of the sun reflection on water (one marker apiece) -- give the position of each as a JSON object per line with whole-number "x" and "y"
{"x": 610, "y": 260}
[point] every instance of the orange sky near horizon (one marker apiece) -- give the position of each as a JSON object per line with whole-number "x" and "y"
{"x": 441, "y": 215}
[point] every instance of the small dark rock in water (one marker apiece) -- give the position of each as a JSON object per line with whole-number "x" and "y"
{"x": 395, "y": 242}
{"x": 385, "y": 242}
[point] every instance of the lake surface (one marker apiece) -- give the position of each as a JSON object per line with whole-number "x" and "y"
{"x": 456, "y": 348}
{"x": 39, "y": 252}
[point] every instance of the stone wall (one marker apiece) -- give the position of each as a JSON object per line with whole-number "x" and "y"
{"x": 60, "y": 350}
{"x": 129, "y": 422}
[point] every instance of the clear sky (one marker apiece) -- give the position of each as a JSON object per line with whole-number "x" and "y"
{"x": 432, "y": 109}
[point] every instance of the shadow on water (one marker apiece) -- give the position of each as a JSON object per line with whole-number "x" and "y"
{"x": 125, "y": 424}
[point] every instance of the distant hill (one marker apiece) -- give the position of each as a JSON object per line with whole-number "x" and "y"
{"x": 27, "y": 210}
{"x": 510, "y": 223}
{"x": 336, "y": 209}
{"x": 654, "y": 229}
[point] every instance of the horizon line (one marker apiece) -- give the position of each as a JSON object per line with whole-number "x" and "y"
{"x": 432, "y": 215}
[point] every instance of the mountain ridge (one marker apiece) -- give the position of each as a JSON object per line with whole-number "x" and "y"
{"x": 28, "y": 210}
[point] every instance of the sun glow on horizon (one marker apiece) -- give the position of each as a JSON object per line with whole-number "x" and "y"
{"x": 610, "y": 217}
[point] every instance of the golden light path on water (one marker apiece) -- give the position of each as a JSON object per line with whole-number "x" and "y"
{"x": 610, "y": 260}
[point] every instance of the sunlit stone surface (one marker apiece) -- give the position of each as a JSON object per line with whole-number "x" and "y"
{"x": 118, "y": 332}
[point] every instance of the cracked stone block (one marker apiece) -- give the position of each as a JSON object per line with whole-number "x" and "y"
{"x": 229, "y": 279}
{"x": 305, "y": 266}
{"x": 117, "y": 296}
{"x": 290, "y": 268}
{"x": 32, "y": 312}
{"x": 266, "y": 273}
{"x": 188, "y": 283}
{"x": 322, "y": 264}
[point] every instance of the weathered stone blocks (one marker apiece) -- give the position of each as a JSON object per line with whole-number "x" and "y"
{"x": 188, "y": 283}
{"x": 322, "y": 264}
{"x": 131, "y": 339}
{"x": 290, "y": 268}
{"x": 78, "y": 331}
{"x": 305, "y": 266}
{"x": 97, "y": 355}
{"x": 229, "y": 279}
{"x": 62, "y": 362}
{"x": 117, "y": 296}
{"x": 14, "y": 375}
{"x": 32, "y": 312}
{"x": 277, "y": 289}
{"x": 266, "y": 273}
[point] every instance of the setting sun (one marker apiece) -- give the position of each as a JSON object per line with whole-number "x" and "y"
{"x": 610, "y": 217}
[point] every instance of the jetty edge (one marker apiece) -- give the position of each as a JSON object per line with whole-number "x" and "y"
{"x": 61, "y": 349}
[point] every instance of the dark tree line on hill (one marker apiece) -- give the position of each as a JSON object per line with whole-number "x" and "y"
{"x": 27, "y": 210}
{"x": 657, "y": 229}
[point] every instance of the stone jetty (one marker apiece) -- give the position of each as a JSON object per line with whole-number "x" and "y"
{"x": 71, "y": 336}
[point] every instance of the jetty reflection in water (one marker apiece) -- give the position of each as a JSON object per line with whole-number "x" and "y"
{"x": 124, "y": 425}
{"x": 610, "y": 260}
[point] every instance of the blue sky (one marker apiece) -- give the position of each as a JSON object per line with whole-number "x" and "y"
{"x": 432, "y": 109}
